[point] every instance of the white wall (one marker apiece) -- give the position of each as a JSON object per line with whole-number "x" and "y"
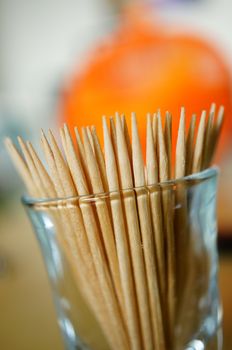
{"x": 39, "y": 42}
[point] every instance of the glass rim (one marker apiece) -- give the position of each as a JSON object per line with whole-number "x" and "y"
{"x": 186, "y": 180}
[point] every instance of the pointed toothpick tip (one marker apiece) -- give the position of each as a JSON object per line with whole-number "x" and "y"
{"x": 212, "y": 108}
{"x": 65, "y": 127}
{"x": 221, "y": 110}
{"x": 7, "y": 141}
{"x": 182, "y": 111}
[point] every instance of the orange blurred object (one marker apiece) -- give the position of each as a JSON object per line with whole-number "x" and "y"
{"x": 142, "y": 67}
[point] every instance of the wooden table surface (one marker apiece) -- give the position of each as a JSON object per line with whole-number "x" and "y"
{"x": 27, "y": 316}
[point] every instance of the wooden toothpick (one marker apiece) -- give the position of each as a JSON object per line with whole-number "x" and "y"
{"x": 147, "y": 239}
{"x": 134, "y": 235}
{"x": 190, "y": 144}
{"x": 198, "y": 151}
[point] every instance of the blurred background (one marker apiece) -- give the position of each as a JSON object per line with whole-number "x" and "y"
{"x": 73, "y": 61}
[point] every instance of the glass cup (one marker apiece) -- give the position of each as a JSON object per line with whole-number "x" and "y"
{"x": 180, "y": 216}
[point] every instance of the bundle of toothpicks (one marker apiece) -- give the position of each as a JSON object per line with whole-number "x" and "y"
{"x": 118, "y": 229}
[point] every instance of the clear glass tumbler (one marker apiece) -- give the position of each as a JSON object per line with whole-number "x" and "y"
{"x": 185, "y": 209}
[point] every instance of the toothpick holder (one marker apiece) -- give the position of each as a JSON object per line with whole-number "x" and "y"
{"x": 98, "y": 308}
